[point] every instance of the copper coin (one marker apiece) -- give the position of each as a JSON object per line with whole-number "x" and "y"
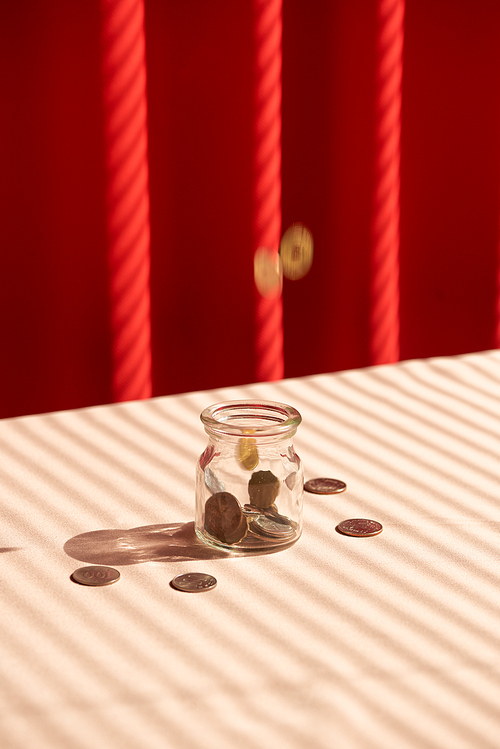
{"x": 325, "y": 486}
{"x": 224, "y": 518}
{"x": 263, "y": 488}
{"x": 359, "y": 527}
{"x": 194, "y": 582}
{"x": 96, "y": 575}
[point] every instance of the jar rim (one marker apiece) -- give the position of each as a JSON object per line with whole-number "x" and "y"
{"x": 257, "y": 417}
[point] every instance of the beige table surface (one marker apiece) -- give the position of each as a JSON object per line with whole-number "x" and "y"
{"x": 336, "y": 642}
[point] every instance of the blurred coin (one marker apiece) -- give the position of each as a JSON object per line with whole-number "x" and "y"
{"x": 325, "y": 486}
{"x": 268, "y": 273}
{"x": 296, "y": 251}
{"x": 247, "y": 453}
{"x": 359, "y": 527}
{"x": 274, "y": 528}
{"x": 194, "y": 582}
{"x": 95, "y": 575}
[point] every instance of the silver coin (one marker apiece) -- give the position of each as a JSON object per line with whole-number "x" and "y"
{"x": 359, "y": 527}
{"x": 96, "y": 575}
{"x": 253, "y": 511}
{"x": 212, "y": 482}
{"x": 271, "y": 527}
{"x": 325, "y": 486}
{"x": 194, "y": 582}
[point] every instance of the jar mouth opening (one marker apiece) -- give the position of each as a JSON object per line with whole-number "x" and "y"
{"x": 246, "y": 417}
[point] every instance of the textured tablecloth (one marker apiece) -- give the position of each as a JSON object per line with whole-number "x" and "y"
{"x": 336, "y": 642}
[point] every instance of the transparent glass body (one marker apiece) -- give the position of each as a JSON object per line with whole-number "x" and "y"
{"x": 249, "y": 479}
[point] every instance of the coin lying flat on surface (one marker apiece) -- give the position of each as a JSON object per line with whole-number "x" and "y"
{"x": 325, "y": 486}
{"x": 194, "y": 582}
{"x": 359, "y": 527}
{"x": 96, "y": 575}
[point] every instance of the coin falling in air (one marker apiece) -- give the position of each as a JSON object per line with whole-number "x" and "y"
{"x": 194, "y": 582}
{"x": 325, "y": 486}
{"x": 95, "y": 575}
{"x": 268, "y": 273}
{"x": 360, "y": 527}
{"x": 296, "y": 251}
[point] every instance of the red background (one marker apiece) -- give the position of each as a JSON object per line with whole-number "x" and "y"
{"x": 55, "y": 337}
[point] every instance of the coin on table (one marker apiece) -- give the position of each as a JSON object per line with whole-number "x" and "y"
{"x": 194, "y": 582}
{"x": 95, "y": 575}
{"x": 325, "y": 486}
{"x": 359, "y": 527}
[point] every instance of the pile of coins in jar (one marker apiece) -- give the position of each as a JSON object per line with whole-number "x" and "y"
{"x": 250, "y": 512}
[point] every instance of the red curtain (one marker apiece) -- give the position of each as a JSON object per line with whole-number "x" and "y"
{"x": 150, "y": 147}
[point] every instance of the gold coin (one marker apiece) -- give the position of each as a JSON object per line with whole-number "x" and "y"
{"x": 296, "y": 251}
{"x": 268, "y": 273}
{"x": 247, "y": 453}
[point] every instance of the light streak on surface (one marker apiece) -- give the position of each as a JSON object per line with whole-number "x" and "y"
{"x": 267, "y": 185}
{"x": 384, "y": 309}
{"x": 124, "y": 72}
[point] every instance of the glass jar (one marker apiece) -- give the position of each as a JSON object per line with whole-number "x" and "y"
{"x": 249, "y": 479}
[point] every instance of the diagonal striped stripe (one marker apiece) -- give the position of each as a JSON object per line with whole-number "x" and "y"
{"x": 267, "y": 181}
{"x": 124, "y": 71}
{"x": 384, "y": 315}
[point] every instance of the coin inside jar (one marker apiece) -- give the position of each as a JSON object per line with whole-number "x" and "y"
{"x": 263, "y": 488}
{"x": 248, "y": 455}
{"x": 270, "y": 527}
{"x": 224, "y": 518}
